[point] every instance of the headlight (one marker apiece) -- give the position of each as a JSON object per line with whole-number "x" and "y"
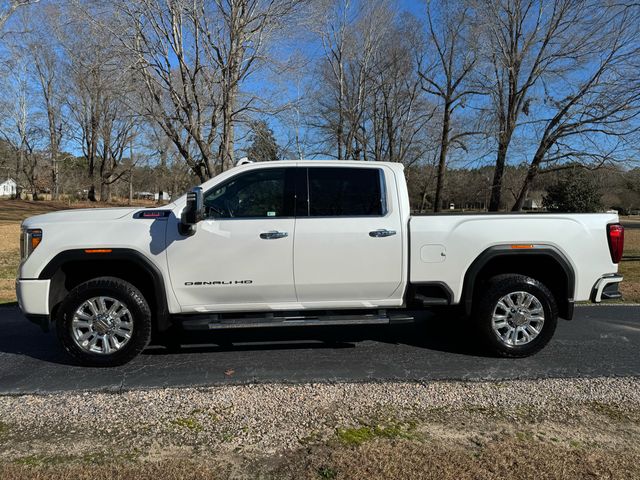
{"x": 30, "y": 238}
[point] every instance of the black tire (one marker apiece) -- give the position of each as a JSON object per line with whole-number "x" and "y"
{"x": 125, "y": 293}
{"x": 487, "y": 300}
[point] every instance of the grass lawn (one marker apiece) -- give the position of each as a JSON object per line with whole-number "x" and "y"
{"x": 13, "y": 212}
{"x": 630, "y": 269}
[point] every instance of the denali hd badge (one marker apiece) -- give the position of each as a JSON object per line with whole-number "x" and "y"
{"x": 220, "y": 282}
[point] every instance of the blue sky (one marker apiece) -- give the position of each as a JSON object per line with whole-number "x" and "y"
{"x": 312, "y": 51}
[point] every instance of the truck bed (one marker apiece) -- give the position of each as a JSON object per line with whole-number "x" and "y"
{"x": 443, "y": 246}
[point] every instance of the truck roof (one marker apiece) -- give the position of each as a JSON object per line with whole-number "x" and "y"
{"x": 342, "y": 163}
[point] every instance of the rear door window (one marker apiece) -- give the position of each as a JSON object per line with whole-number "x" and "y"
{"x": 346, "y": 192}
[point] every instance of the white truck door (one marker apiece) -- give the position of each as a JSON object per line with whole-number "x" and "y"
{"x": 241, "y": 256}
{"x": 348, "y": 248}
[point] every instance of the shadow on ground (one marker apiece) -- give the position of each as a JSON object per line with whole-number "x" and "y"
{"x": 434, "y": 332}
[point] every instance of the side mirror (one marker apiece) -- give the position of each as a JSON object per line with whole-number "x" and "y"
{"x": 193, "y": 212}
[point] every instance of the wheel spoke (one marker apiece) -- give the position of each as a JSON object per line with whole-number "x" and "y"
{"x": 83, "y": 315}
{"x": 121, "y": 313}
{"x": 122, "y": 333}
{"x": 93, "y": 307}
{"x": 80, "y": 324}
{"x": 92, "y": 342}
{"x": 115, "y": 306}
{"x": 106, "y": 348}
{"x": 85, "y": 336}
{"x": 508, "y": 301}
{"x": 102, "y": 325}
{"x": 102, "y": 304}
{"x": 518, "y": 318}
{"x": 502, "y": 306}
{"x": 531, "y": 330}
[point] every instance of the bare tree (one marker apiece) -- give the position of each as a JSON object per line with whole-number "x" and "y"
{"x": 590, "y": 110}
{"x": 238, "y": 33}
{"x": 193, "y": 58}
{"x": 181, "y": 95}
{"x": 369, "y": 106}
{"x": 101, "y": 86}
{"x": 447, "y": 76}
{"x": 400, "y": 116}
{"x": 335, "y": 41}
{"x": 8, "y": 8}
{"x": 526, "y": 40}
{"x": 46, "y": 65}
{"x": 18, "y": 125}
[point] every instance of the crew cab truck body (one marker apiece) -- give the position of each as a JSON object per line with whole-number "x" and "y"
{"x": 306, "y": 243}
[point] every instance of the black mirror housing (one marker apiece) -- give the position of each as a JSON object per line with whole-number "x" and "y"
{"x": 193, "y": 212}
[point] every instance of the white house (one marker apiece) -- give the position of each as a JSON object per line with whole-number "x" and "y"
{"x": 165, "y": 196}
{"x": 8, "y": 188}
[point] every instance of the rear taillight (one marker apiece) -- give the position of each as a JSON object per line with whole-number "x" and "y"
{"x": 615, "y": 234}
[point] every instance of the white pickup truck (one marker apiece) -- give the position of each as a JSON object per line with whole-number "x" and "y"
{"x": 306, "y": 243}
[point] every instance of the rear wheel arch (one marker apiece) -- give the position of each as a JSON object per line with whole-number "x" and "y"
{"x": 71, "y": 268}
{"x": 544, "y": 263}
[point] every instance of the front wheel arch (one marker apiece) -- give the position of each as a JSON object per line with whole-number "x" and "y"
{"x": 70, "y": 268}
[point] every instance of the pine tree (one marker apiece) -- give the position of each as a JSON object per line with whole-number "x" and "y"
{"x": 263, "y": 143}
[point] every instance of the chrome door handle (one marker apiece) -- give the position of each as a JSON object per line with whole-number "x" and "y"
{"x": 383, "y": 232}
{"x": 273, "y": 234}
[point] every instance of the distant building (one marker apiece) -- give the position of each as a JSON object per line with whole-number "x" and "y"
{"x": 152, "y": 196}
{"x": 532, "y": 204}
{"x": 143, "y": 195}
{"x": 8, "y": 188}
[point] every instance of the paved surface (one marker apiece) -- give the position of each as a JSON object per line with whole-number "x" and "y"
{"x": 600, "y": 341}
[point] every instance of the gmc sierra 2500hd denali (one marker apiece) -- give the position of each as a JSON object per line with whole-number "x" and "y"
{"x": 306, "y": 243}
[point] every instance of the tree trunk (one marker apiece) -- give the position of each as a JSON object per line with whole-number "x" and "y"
{"x": 228, "y": 131}
{"x": 524, "y": 190}
{"x": 442, "y": 162}
{"x": 55, "y": 191}
{"x": 54, "y": 142}
{"x": 103, "y": 191}
{"x": 130, "y": 186}
{"x": 19, "y": 167}
{"x": 532, "y": 173}
{"x": 496, "y": 186}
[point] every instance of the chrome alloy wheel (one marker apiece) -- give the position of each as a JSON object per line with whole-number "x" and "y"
{"x": 102, "y": 325}
{"x": 518, "y": 318}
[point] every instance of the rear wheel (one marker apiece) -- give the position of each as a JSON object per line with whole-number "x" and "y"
{"x": 516, "y": 315}
{"x": 104, "y": 322}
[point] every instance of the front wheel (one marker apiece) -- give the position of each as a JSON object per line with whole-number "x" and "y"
{"x": 516, "y": 315}
{"x": 104, "y": 322}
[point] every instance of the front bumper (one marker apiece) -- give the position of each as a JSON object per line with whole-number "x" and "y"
{"x": 33, "y": 296}
{"x": 606, "y": 288}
